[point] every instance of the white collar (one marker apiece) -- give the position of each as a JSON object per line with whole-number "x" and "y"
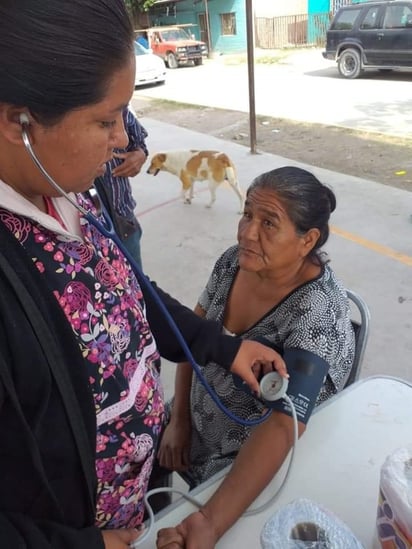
{"x": 15, "y": 202}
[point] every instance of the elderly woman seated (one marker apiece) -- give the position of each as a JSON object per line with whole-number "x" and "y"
{"x": 275, "y": 285}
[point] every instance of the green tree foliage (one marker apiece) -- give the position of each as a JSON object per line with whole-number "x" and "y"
{"x": 139, "y": 5}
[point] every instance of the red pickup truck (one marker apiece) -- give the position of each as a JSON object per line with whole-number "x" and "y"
{"x": 174, "y": 45}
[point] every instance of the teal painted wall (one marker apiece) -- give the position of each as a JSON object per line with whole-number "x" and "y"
{"x": 227, "y": 44}
{"x": 187, "y": 12}
{"x": 318, "y": 20}
{"x": 318, "y": 6}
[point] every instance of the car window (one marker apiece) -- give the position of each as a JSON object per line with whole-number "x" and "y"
{"x": 397, "y": 17}
{"x": 139, "y": 49}
{"x": 345, "y": 19}
{"x": 370, "y": 20}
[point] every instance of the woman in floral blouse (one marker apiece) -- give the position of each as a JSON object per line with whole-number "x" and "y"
{"x": 81, "y": 401}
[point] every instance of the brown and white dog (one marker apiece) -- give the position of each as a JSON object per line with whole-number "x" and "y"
{"x": 192, "y": 165}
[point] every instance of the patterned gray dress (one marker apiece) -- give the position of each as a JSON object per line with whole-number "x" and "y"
{"x": 314, "y": 317}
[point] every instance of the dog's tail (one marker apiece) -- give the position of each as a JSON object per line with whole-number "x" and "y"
{"x": 230, "y": 175}
{"x": 229, "y": 168}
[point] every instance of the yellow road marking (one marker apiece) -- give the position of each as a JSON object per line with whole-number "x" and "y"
{"x": 370, "y": 245}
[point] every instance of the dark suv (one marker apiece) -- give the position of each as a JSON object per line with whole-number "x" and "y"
{"x": 375, "y": 35}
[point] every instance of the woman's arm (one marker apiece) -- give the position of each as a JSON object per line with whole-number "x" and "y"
{"x": 174, "y": 447}
{"x": 258, "y": 461}
{"x": 203, "y": 337}
{"x": 206, "y": 341}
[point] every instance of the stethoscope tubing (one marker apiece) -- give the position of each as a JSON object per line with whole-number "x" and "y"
{"x": 144, "y": 281}
{"x": 108, "y": 231}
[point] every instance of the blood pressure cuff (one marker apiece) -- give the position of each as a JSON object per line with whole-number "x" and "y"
{"x": 307, "y": 373}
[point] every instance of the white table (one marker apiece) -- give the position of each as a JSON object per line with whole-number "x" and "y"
{"x": 337, "y": 462}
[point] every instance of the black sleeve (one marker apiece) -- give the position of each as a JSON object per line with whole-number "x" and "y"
{"x": 18, "y": 530}
{"x": 203, "y": 337}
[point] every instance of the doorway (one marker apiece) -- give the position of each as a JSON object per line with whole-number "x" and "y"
{"x": 203, "y": 26}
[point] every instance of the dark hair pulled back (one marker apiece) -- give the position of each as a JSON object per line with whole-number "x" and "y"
{"x": 59, "y": 55}
{"x": 307, "y": 201}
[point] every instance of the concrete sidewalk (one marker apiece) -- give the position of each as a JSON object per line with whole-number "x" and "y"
{"x": 370, "y": 246}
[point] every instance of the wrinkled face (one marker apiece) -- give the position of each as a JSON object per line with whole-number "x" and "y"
{"x": 74, "y": 151}
{"x": 267, "y": 237}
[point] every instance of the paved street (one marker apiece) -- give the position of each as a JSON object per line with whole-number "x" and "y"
{"x": 303, "y": 87}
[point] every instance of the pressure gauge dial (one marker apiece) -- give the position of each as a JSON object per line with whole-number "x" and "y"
{"x": 273, "y": 386}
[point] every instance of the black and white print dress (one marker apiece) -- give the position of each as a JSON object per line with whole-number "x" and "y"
{"x": 314, "y": 317}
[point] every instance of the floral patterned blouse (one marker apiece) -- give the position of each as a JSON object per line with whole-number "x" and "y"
{"x": 103, "y": 302}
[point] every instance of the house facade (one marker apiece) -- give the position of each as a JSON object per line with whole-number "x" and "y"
{"x": 219, "y": 23}
{"x": 222, "y": 23}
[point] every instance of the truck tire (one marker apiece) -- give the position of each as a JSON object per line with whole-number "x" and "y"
{"x": 198, "y": 61}
{"x": 349, "y": 63}
{"x": 171, "y": 61}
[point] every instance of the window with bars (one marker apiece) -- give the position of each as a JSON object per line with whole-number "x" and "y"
{"x": 228, "y": 23}
{"x": 336, "y": 4}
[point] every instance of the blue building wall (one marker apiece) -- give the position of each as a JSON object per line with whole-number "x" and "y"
{"x": 318, "y": 6}
{"x": 227, "y": 44}
{"x": 187, "y": 12}
{"x": 318, "y": 20}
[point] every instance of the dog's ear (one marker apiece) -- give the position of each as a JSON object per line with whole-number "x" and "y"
{"x": 161, "y": 157}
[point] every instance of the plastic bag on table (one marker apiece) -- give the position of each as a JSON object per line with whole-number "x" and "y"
{"x": 394, "y": 520}
{"x": 303, "y": 524}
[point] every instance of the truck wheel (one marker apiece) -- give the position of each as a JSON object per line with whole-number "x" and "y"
{"x": 198, "y": 61}
{"x": 171, "y": 61}
{"x": 349, "y": 63}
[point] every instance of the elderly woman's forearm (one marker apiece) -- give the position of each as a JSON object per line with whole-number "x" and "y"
{"x": 258, "y": 461}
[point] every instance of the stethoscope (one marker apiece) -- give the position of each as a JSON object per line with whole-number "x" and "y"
{"x": 272, "y": 385}
{"x": 107, "y": 229}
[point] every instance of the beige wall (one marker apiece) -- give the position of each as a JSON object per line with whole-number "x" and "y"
{"x": 275, "y": 8}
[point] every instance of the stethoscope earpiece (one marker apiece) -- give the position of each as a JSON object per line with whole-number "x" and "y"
{"x": 24, "y": 119}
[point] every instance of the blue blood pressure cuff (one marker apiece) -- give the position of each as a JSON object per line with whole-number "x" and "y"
{"x": 307, "y": 374}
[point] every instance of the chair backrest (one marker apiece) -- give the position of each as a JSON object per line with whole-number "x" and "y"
{"x": 361, "y": 329}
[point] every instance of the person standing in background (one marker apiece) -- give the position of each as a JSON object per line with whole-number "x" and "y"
{"x": 114, "y": 187}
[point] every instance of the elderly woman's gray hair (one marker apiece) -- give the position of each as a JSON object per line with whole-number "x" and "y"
{"x": 307, "y": 201}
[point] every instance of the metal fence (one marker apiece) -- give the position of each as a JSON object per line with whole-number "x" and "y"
{"x": 336, "y": 4}
{"x": 291, "y": 30}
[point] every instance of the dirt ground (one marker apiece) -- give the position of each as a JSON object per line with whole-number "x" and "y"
{"x": 371, "y": 156}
